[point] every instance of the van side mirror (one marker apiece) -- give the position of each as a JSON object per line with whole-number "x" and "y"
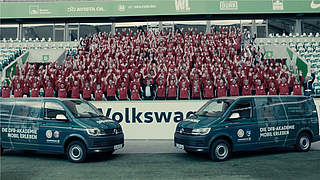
{"x": 234, "y": 116}
{"x": 61, "y": 117}
{"x": 100, "y": 110}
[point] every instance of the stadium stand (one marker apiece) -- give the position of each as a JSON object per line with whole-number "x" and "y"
{"x": 307, "y": 46}
{"x": 147, "y": 65}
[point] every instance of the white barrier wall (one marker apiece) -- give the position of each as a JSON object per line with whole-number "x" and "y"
{"x": 148, "y": 119}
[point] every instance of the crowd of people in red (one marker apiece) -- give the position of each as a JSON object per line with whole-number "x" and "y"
{"x": 158, "y": 65}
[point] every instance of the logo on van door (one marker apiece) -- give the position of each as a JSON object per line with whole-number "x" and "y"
{"x": 49, "y": 133}
{"x": 240, "y": 133}
{"x": 56, "y": 134}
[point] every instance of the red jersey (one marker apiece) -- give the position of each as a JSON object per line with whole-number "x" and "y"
{"x": 86, "y": 92}
{"x": 111, "y": 90}
{"x": 48, "y": 92}
{"x": 17, "y": 93}
{"x": 135, "y": 95}
{"x": 208, "y": 91}
{"x": 246, "y": 90}
{"x": 297, "y": 89}
{"x": 195, "y": 91}
{"x": 75, "y": 92}
{"x": 123, "y": 93}
{"x": 183, "y": 93}
{"x": 172, "y": 91}
{"x": 234, "y": 90}
{"x": 284, "y": 90}
{"x": 34, "y": 92}
{"x": 161, "y": 91}
{"x": 221, "y": 91}
{"x": 98, "y": 95}
{"x": 260, "y": 90}
{"x": 5, "y": 92}
{"x": 273, "y": 91}
{"x": 62, "y": 93}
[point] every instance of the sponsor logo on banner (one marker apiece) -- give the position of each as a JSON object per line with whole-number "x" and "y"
{"x": 34, "y": 9}
{"x": 277, "y": 5}
{"x": 314, "y": 5}
{"x": 132, "y": 115}
{"x": 182, "y": 5}
{"x": 49, "y": 134}
{"x": 228, "y": 5}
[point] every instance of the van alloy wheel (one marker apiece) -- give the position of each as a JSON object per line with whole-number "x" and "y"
{"x": 220, "y": 150}
{"x": 76, "y": 151}
{"x": 303, "y": 143}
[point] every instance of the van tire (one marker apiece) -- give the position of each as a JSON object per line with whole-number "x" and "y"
{"x": 220, "y": 150}
{"x": 77, "y": 152}
{"x": 303, "y": 142}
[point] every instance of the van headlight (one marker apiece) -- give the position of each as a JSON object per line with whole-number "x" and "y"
{"x": 95, "y": 132}
{"x": 201, "y": 131}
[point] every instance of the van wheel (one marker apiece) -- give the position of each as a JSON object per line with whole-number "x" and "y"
{"x": 303, "y": 142}
{"x": 76, "y": 152}
{"x": 220, "y": 150}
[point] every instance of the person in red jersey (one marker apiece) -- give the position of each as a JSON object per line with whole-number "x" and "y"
{"x": 172, "y": 91}
{"x": 208, "y": 90}
{"x": 272, "y": 89}
{"x": 62, "y": 92}
{"x": 260, "y": 90}
{"x": 234, "y": 88}
{"x": 297, "y": 91}
{"x": 161, "y": 89}
{"x": 48, "y": 91}
{"x": 75, "y": 90}
{"x": 98, "y": 94}
{"x": 221, "y": 89}
{"x": 18, "y": 91}
{"x": 195, "y": 92}
{"x": 183, "y": 91}
{"x": 123, "y": 92}
{"x": 246, "y": 89}
{"x": 283, "y": 87}
{"x": 35, "y": 90}
{"x": 111, "y": 90}
{"x": 135, "y": 93}
{"x": 5, "y": 89}
{"x": 86, "y": 92}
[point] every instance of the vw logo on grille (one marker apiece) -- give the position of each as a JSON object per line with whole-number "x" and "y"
{"x": 115, "y": 131}
{"x": 181, "y": 130}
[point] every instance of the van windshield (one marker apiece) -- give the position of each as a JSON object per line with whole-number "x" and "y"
{"x": 215, "y": 108}
{"x": 82, "y": 109}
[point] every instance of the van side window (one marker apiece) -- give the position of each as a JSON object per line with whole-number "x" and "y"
{"x": 297, "y": 108}
{"x": 27, "y": 109}
{"x": 244, "y": 108}
{"x": 52, "y": 109}
{"x": 270, "y": 109}
{"x": 6, "y": 108}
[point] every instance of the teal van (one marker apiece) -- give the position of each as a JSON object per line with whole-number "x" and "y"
{"x": 230, "y": 124}
{"x": 71, "y": 126}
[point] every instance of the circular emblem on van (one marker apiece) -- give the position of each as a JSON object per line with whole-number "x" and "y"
{"x": 115, "y": 131}
{"x": 56, "y": 134}
{"x": 240, "y": 133}
{"x": 181, "y": 130}
{"x": 49, "y": 134}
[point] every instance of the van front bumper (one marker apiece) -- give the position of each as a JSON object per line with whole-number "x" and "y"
{"x": 191, "y": 143}
{"x": 105, "y": 143}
